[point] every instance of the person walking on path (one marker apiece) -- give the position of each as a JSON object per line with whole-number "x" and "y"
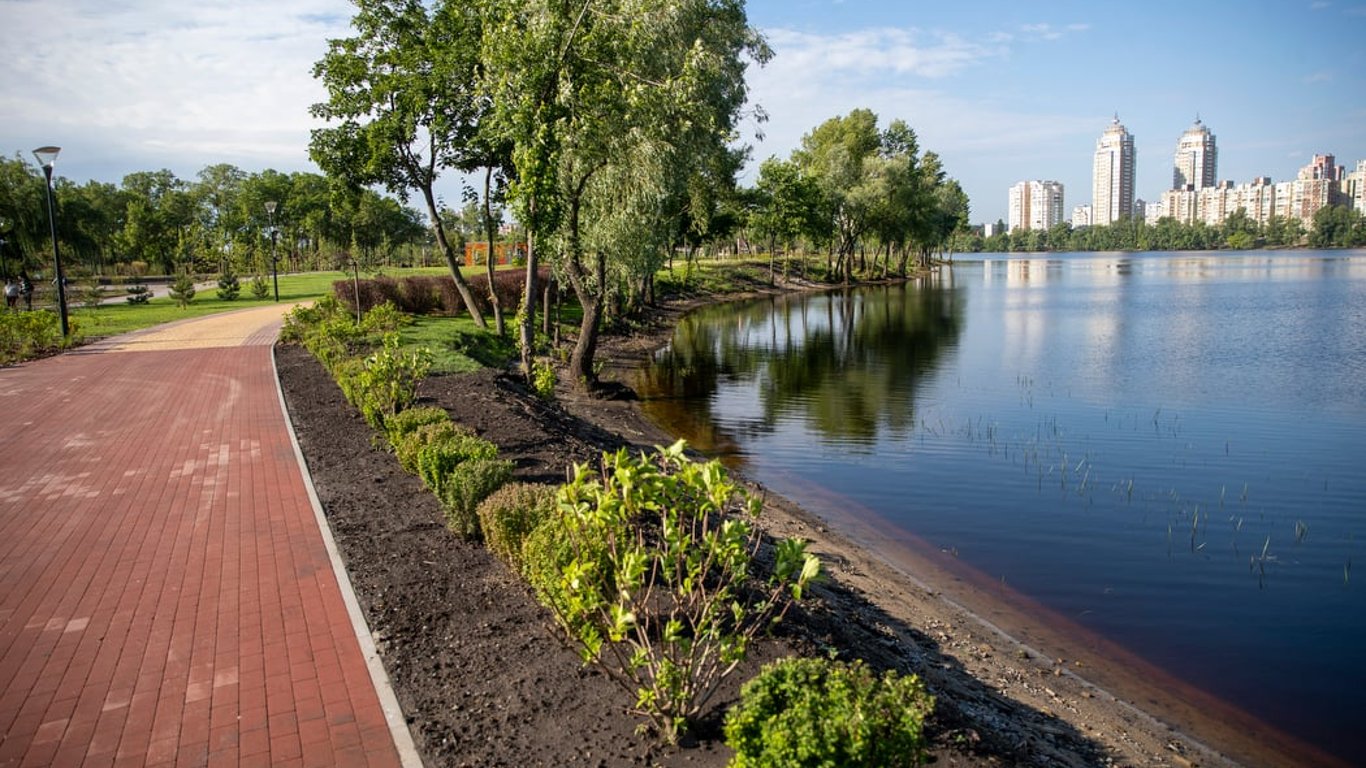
{"x": 26, "y": 290}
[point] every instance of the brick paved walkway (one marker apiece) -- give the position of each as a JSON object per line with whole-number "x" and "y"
{"x": 166, "y": 597}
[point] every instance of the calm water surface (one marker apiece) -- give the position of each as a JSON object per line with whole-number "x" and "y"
{"x": 1167, "y": 448}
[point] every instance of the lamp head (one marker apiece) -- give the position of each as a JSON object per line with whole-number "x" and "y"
{"x": 46, "y": 156}
{"x": 270, "y": 207}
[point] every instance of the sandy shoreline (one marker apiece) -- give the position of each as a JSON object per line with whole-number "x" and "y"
{"x": 1029, "y": 660}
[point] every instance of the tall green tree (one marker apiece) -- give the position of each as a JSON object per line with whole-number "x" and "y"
{"x": 838, "y": 154}
{"x": 788, "y": 206}
{"x": 608, "y": 106}
{"x": 402, "y": 95}
{"x": 159, "y": 214}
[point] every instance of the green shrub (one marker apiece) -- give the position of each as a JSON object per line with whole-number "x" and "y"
{"x": 508, "y": 516}
{"x": 407, "y": 422}
{"x": 547, "y": 553}
{"x": 818, "y": 713}
{"x": 383, "y": 319}
{"x": 409, "y": 446}
{"x": 24, "y": 335}
{"x": 386, "y": 382}
{"x": 444, "y": 450}
{"x": 138, "y": 293}
{"x": 657, "y": 585}
{"x": 259, "y": 289}
{"x": 543, "y": 379}
{"x": 466, "y": 486}
{"x": 182, "y": 290}
{"x": 228, "y": 285}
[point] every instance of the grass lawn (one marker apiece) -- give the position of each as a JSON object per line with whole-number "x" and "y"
{"x": 458, "y": 345}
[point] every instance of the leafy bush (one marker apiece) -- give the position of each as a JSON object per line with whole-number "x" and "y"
{"x": 407, "y": 422}
{"x": 468, "y": 484}
{"x": 656, "y": 585}
{"x": 818, "y": 713}
{"x": 304, "y": 319}
{"x": 408, "y": 447}
{"x": 508, "y": 516}
{"x": 259, "y": 289}
{"x": 443, "y": 450}
{"x": 384, "y": 319}
{"x": 25, "y": 335}
{"x": 543, "y": 379}
{"x": 547, "y": 554}
{"x": 387, "y": 382}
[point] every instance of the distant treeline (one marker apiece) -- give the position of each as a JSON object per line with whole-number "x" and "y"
{"x": 1333, "y": 227}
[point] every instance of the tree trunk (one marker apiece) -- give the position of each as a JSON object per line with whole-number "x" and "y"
{"x": 498, "y": 325}
{"x": 545, "y": 310}
{"x": 585, "y": 348}
{"x": 772, "y": 248}
{"x": 526, "y": 330}
{"x": 461, "y": 287}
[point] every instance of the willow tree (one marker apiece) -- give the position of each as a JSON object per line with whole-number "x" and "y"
{"x": 606, "y": 103}
{"x": 404, "y": 94}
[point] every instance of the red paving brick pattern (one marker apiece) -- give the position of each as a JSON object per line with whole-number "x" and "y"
{"x": 166, "y": 597}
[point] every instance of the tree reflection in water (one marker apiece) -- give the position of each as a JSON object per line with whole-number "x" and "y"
{"x": 846, "y": 363}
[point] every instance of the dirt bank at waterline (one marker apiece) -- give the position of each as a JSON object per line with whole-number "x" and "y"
{"x": 483, "y": 679}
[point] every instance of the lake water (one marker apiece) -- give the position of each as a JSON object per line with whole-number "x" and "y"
{"x": 1169, "y": 449}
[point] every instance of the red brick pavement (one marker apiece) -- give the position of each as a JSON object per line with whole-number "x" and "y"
{"x": 166, "y": 597}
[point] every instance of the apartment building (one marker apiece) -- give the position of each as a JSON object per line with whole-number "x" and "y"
{"x": 1112, "y": 175}
{"x": 1035, "y": 205}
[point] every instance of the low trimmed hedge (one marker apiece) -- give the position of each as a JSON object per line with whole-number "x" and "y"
{"x": 815, "y": 713}
{"x": 435, "y": 294}
{"x": 510, "y": 514}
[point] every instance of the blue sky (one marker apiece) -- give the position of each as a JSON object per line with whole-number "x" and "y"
{"x": 1003, "y": 91}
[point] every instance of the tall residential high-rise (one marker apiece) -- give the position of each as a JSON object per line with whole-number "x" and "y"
{"x": 1035, "y": 205}
{"x": 1321, "y": 168}
{"x": 1197, "y": 162}
{"x": 1112, "y": 178}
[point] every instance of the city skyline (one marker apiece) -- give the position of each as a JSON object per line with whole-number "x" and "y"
{"x": 1001, "y": 92}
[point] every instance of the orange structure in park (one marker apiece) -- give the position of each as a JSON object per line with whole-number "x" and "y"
{"x": 505, "y": 253}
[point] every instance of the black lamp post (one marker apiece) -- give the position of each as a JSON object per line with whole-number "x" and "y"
{"x": 47, "y": 157}
{"x": 274, "y": 261}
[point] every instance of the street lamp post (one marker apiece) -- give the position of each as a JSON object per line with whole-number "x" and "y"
{"x": 274, "y": 260}
{"x": 47, "y": 157}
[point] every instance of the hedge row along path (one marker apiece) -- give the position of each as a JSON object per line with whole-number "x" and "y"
{"x": 166, "y": 592}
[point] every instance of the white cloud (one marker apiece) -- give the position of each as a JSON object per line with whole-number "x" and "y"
{"x": 882, "y": 50}
{"x": 1050, "y": 32}
{"x": 175, "y": 83}
{"x": 908, "y": 75}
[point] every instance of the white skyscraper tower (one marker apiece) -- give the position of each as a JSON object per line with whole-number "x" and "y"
{"x": 1197, "y": 159}
{"x": 1112, "y": 178}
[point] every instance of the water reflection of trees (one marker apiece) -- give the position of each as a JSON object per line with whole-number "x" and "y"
{"x": 846, "y": 364}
